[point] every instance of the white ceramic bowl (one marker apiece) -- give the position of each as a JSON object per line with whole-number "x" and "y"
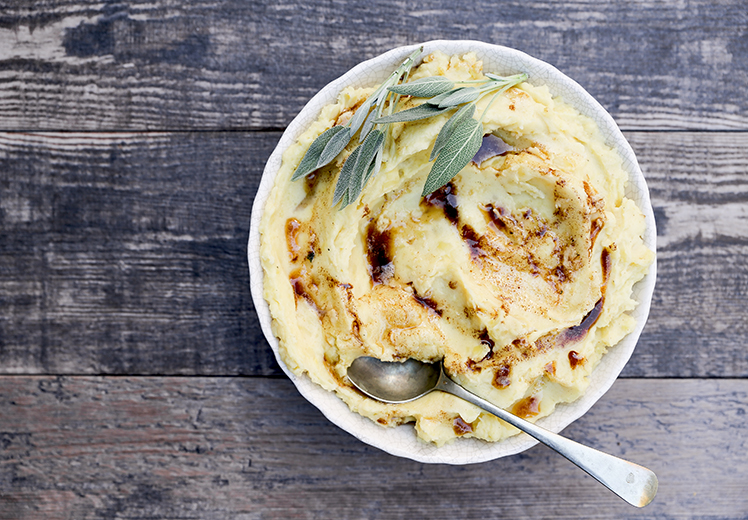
{"x": 402, "y": 441}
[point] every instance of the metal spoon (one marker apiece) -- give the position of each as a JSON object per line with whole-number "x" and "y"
{"x": 394, "y": 382}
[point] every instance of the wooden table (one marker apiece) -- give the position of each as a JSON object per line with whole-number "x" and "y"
{"x": 134, "y": 379}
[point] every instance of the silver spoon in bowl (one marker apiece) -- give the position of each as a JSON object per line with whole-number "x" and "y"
{"x": 395, "y": 382}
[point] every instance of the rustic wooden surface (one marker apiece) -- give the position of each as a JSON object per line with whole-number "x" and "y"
{"x": 134, "y": 380}
{"x": 208, "y": 447}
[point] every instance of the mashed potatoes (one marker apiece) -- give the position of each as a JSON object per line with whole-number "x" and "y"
{"x": 518, "y": 273}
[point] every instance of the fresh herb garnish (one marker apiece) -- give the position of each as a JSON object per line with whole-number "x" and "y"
{"x": 461, "y": 136}
{"x": 457, "y": 143}
{"x": 359, "y": 167}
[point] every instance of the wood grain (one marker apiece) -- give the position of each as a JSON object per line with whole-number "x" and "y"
{"x": 142, "y": 65}
{"x": 114, "y": 246}
{"x": 125, "y": 311}
{"x": 126, "y": 254}
{"x": 167, "y": 448}
{"x": 699, "y": 188}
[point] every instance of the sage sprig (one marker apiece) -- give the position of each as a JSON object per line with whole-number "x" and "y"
{"x": 366, "y": 158}
{"x": 461, "y": 136}
{"x": 350, "y": 183}
{"x": 446, "y": 131}
{"x": 461, "y": 145}
{"x": 449, "y": 96}
{"x": 457, "y": 143}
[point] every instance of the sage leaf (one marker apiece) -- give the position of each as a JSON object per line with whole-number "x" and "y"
{"x": 344, "y": 179}
{"x": 368, "y": 125}
{"x": 424, "y": 87}
{"x": 446, "y": 131}
{"x": 423, "y": 111}
{"x": 495, "y": 77}
{"x": 360, "y": 116}
{"x": 460, "y": 148}
{"x": 517, "y": 78}
{"x": 441, "y": 97}
{"x": 375, "y": 165}
{"x": 376, "y": 100}
{"x": 310, "y": 161}
{"x": 370, "y": 172}
{"x": 362, "y": 168}
{"x": 460, "y": 96}
{"x": 381, "y": 97}
{"x": 339, "y": 141}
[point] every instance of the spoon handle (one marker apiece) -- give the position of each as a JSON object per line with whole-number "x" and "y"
{"x": 633, "y": 483}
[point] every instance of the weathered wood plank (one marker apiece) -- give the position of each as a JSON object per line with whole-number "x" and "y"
{"x": 699, "y": 188}
{"x": 143, "y": 65}
{"x": 88, "y": 447}
{"x": 126, "y": 254}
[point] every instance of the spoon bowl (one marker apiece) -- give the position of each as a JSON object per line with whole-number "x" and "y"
{"x": 393, "y": 382}
{"x": 401, "y": 382}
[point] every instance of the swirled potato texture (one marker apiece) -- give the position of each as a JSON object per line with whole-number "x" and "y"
{"x": 518, "y": 273}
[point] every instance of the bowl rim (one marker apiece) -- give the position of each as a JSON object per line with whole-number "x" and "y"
{"x": 401, "y": 441}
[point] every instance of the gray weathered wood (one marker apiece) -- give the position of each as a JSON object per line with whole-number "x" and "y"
{"x": 699, "y": 188}
{"x": 142, "y": 65}
{"x": 126, "y": 254}
{"x": 123, "y": 279}
{"x": 90, "y": 447}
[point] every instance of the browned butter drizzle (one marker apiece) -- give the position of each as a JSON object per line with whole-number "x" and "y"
{"x": 379, "y": 253}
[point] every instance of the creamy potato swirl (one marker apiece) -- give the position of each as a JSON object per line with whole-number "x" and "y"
{"x": 518, "y": 273}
